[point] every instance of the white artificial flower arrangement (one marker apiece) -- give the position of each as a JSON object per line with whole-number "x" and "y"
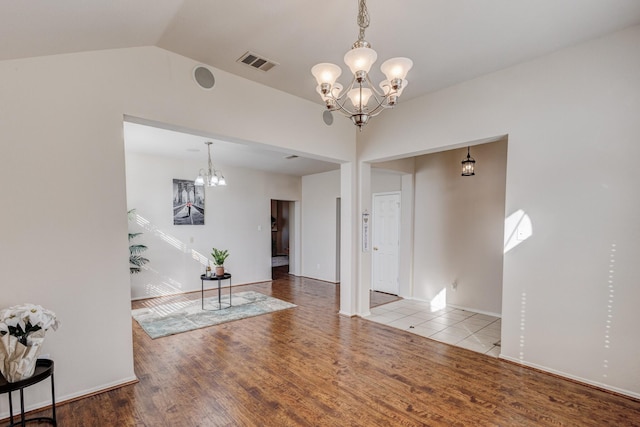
{"x": 22, "y": 329}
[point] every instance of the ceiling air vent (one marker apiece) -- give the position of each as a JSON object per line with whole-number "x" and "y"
{"x": 254, "y": 60}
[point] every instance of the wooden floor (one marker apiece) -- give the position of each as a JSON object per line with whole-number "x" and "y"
{"x": 309, "y": 366}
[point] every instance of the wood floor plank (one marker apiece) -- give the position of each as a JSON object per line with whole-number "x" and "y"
{"x": 308, "y": 366}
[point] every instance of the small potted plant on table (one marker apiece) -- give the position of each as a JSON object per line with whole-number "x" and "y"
{"x": 219, "y": 256}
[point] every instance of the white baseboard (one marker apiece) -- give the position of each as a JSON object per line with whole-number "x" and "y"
{"x": 67, "y": 397}
{"x": 475, "y": 310}
{"x": 213, "y": 287}
{"x": 572, "y": 377}
{"x": 460, "y": 307}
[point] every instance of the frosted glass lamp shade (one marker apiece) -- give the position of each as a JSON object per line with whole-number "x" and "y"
{"x": 396, "y": 68}
{"x": 360, "y": 59}
{"x": 326, "y": 73}
{"x": 359, "y": 97}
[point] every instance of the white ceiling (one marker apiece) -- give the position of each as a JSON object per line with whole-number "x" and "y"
{"x": 150, "y": 140}
{"x": 449, "y": 40}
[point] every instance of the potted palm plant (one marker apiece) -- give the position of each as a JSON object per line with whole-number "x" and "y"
{"x": 136, "y": 261}
{"x": 219, "y": 256}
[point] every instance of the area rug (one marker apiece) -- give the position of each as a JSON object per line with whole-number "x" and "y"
{"x": 173, "y": 318}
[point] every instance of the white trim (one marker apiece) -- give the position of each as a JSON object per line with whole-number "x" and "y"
{"x": 572, "y": 377}
{"x": 474, "y": 310}
{"x": 72, "y": 396}
{"x": 459, "y": 307}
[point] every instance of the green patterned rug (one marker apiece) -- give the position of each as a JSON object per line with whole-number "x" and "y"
{"x": 173, "y": 318}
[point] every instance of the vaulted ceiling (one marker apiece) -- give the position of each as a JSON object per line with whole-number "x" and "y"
{"x": 450, "y": 41}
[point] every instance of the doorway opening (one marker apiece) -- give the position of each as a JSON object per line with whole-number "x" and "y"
{"x": 454, "y": 293}
{"x": 282, "y": 212}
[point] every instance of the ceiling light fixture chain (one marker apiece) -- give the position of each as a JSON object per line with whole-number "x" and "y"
{"x": 212, "y": 177}
{"x": 361, "y": 92}
{"x": 363, "y": 19}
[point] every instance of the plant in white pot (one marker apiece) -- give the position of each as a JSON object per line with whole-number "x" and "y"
{"x": 22, "y": 329}
{"x": 219, "y": 257}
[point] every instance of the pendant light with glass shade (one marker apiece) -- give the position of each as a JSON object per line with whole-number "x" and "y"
{"x": 361, "y": 92}
{"x": 212, "y": 177}
{"x": 468, "y": 165}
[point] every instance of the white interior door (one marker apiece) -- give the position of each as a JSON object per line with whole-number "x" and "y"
{"x": 385, "y": 242}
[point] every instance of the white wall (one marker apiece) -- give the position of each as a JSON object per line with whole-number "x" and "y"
{"x": 569, "y": 295}
{"x": 384, "y": 181}
{"x": 459, "y": 228}
{"x": 237, "y": 218}
{"x": 62, "y": 135}
{"x": 319, "y": 197}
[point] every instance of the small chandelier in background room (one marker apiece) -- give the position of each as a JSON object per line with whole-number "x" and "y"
{"x": 468, "y": 165}
{"x": 361, "y": 92}
{"x": 212, "y": 177}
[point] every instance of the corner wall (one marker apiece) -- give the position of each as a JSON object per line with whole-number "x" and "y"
{"x": 459, "y": 232}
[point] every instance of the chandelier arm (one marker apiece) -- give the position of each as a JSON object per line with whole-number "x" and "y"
{"x": 343, "y": 110}
{"x": 380, "y": 100}
{"x": 341, "y": 100}
{"x": 379, "y": 109}
{"x": 343, "y": 95}
{"x": 373, "y": 88}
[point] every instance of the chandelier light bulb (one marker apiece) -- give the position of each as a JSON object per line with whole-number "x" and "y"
{"x": 396, "y": 68}
{"x": 360, "y": 59}
{"x": 360, "y": 97}
{"x": 326, "y": 73}
{"x": 200, "y": 179}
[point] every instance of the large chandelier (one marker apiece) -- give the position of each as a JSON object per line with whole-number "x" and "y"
{"x": 361, "y": 92}
{"x": 211, "y": 177}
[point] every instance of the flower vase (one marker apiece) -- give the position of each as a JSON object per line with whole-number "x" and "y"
{"x": 18, "y": 361}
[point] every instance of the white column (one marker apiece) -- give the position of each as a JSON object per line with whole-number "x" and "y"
{"x": 348, "y": 240}
{"x": 365, "y": 204}
{"x": 405, "y": 268}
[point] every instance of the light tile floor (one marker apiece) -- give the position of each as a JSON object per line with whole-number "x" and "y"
{"x": 473, "y": 331}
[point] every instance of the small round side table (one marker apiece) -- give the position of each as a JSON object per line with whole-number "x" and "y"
{"x": 44, "y": 369}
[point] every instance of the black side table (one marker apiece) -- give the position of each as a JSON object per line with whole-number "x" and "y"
{"x": 225, "y": 276}
{"x": 44, "y": 369}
